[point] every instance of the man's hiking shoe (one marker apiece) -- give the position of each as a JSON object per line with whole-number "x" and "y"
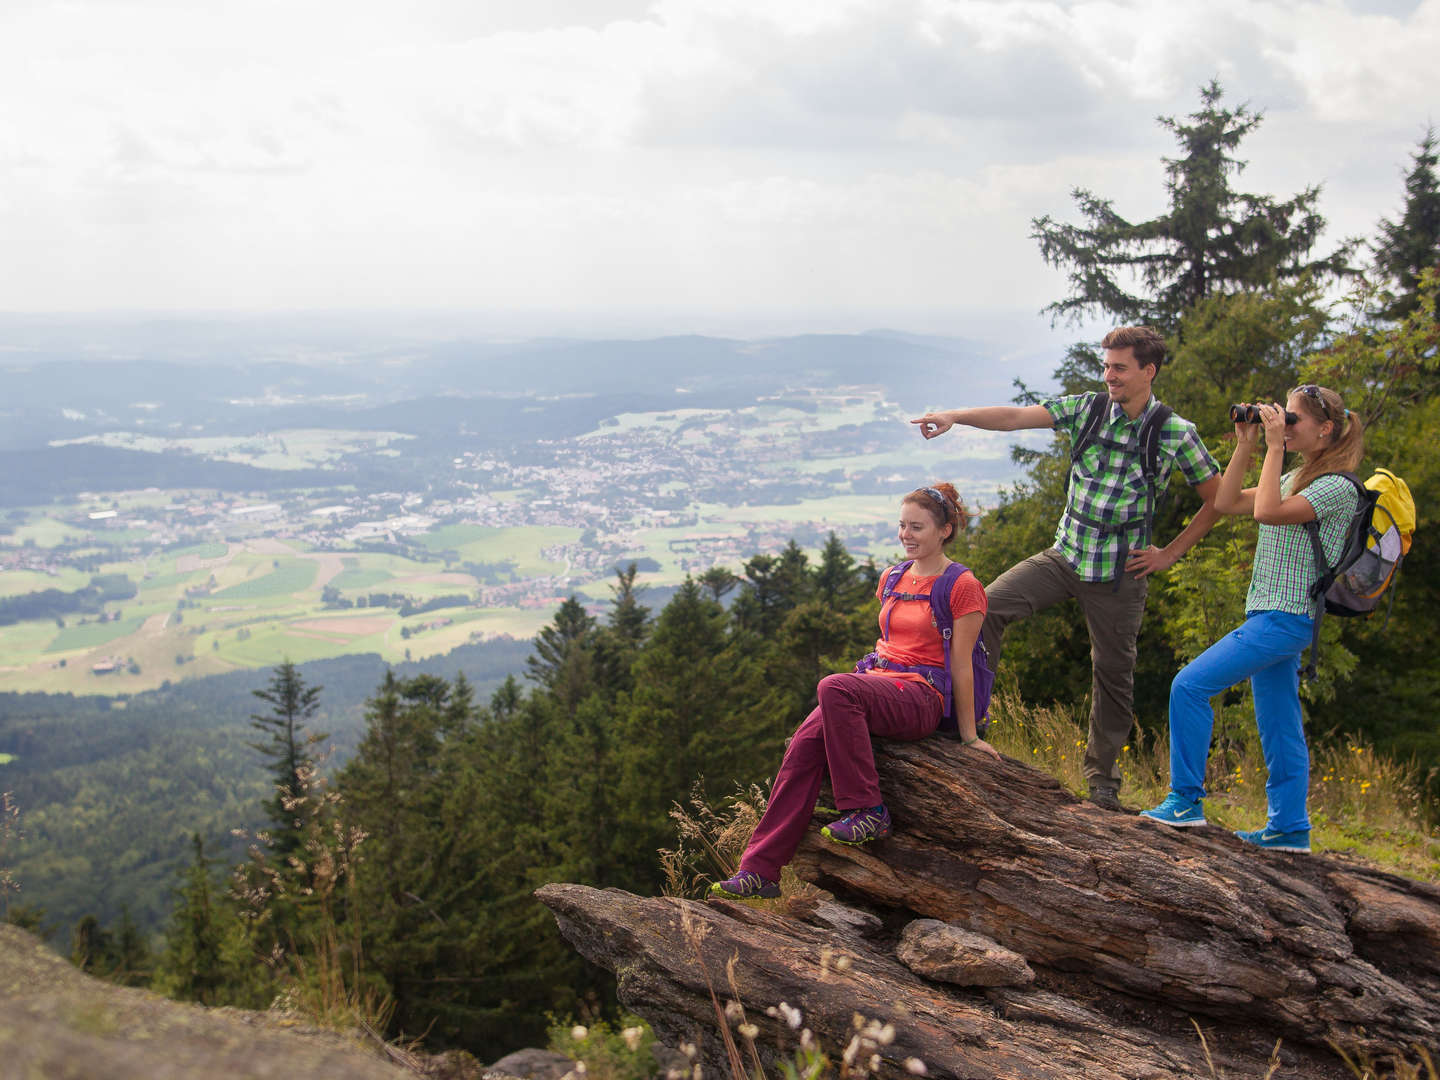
{"x": 1107, "y": 798}
{"x": 1299, "y": 840}
{"x": 746, "y": 885}
{"x": 1178, "y": 811}
{"x": 859, "y": 826}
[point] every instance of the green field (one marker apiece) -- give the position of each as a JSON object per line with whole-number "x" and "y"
{"x": 292, "y": 576}
{"x": 19, "y": 582}
{"x": 198, "y": 551}
{"x": 93, "y": 634}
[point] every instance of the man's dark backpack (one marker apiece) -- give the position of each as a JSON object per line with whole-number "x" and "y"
{"x": 1147, "y": 444}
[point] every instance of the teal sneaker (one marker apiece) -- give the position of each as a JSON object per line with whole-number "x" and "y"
{"x": 1178, "y": 811}
{"x": 1267, "y": 838}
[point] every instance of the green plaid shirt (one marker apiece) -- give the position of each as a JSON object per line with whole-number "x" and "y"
{"x": 1284, "y": 566}
{"x": 1107, "y": 484}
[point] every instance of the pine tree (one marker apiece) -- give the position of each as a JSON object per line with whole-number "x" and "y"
{"x": 291, "y": 753}
{"x": 1410, "y": 245}
{"x": 190, "y": 964}
{"x": 618, "y": 642}
{"x": 1211, "y": 239}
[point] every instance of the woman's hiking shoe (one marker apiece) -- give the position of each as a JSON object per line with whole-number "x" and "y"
{"x": 1178, "y": 811}
{"x": 859, "y": 826}
{"x": 746, "y": 885}
{"x": 1299, "y": 840}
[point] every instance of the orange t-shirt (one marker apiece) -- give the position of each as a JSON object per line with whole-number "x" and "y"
{"x": 914, "y": 636}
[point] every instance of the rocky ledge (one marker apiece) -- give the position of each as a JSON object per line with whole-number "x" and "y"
{"x": 1007, "y": 929}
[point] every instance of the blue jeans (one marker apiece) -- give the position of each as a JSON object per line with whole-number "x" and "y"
{"x": 1265, "y": 649}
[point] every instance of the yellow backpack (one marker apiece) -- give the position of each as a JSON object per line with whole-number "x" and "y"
{"x": 1376, "y": 543}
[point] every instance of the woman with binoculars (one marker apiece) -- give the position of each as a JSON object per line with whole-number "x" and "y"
{"x": 1279, "y": 611}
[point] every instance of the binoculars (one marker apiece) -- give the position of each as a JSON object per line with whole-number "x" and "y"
{"x": 1250, "y": 414}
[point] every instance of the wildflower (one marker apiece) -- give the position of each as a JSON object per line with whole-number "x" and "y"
{"x": 874, "y": 1062}
{"x": 807, "y": 1040}
{"x": 915, "y": 1067}
{"x": 748, "y": 1031}
{"x": 792, "y": 1016}
{"x": 581, "y": 1068}
{"x": 688, "y": 1049}
{"x": 734, "y": 1011}
{"x": 579, "y": 1033}
{"x": 632, "y": 1036}
{"x": 842, "y": 963}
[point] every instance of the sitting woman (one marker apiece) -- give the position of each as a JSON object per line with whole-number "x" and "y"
{"x": 898, "y": 692}
{"x": 1279, "y": 612}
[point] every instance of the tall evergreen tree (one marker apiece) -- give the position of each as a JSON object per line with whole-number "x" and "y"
{"x": 618, "y": 641}
{"x": 1211, "y": 239}
{"x": 1411, "y": 245}
{"x": 190, "y": 964}
{"x": 291, "y": 751}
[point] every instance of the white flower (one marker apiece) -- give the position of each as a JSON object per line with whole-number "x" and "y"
{"x": 748, "y": 1031}
{"x": 915, "y": 1067}
{"x": 579, "y": 1033}
{"x": 632, "y": 1037}
{"x": 792, "y": 1016}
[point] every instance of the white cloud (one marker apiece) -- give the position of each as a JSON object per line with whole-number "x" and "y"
{"x": 554, "y": 153}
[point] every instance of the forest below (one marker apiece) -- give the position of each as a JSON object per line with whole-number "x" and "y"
{"x": 407, "y": 873}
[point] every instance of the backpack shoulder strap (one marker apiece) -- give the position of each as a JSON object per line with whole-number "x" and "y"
{"x": 1326, "y": 571}
{"x": 940, "y": 601}
{"x": 893, "y": 577}
{"x": 1150, "y": 442}
{"x": 1094, "y": 417}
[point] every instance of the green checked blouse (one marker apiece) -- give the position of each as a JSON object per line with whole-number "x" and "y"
{"x": 1284, "y": 557}
{"x": 1107, "y": 483}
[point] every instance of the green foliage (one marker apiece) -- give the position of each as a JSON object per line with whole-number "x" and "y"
{"x": 1406, "y": 248}
{"x": 619, "y": 1051}
{"x": 1211, "y": 239}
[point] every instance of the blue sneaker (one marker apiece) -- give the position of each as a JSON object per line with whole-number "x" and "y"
{"x": 860, "y": 826}
{"x": 1268, "y": 838}
{"x": 746, "y": 885}
{"x": 1178, "y": 811}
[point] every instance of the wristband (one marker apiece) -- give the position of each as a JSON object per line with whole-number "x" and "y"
{"x": 967, "y": 742}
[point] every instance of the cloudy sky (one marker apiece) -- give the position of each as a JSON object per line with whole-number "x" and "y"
{"x": 662, "y": 164}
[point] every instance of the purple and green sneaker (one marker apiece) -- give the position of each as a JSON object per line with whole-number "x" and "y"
{"x": 746, "y": 885}
{"x": 860, "y": 826}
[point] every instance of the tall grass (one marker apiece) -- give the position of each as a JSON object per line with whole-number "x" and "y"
{"x": 1361, "y": 803}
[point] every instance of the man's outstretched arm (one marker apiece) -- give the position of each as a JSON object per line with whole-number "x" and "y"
{"x": 989, "y": 417}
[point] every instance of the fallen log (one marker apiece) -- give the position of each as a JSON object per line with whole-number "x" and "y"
{"x": 1044, "y": 937}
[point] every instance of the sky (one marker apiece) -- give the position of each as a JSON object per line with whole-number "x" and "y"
{"x": 745, "y": 166}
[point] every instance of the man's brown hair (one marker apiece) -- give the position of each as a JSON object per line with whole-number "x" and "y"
{"x": 1149, "y": 346}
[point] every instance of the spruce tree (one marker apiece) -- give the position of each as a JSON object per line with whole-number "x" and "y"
{"x": 190, "y": 962}
{"x": 1211, "y": 239}
{"x": 1411, "y": 245}
{"x": 290, "y": 749}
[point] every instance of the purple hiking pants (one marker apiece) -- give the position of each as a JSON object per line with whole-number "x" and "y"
{"x": 836, "y": 736}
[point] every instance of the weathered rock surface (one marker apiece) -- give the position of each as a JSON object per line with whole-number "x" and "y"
{"x": 949, "y": 954}
{"x": 56, "y": 1021}
{"x": 533, "y": 1064}
{"x": 1131, "y": 930}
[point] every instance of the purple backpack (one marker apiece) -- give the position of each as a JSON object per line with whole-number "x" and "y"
{"x": 938, "y": 677}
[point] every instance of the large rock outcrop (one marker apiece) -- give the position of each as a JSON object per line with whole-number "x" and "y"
{"x": 1044, "y": 938}
{"x": 56, "y": 1021}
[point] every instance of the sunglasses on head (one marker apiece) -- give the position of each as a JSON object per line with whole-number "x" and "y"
{"x": 1312, "y": 391}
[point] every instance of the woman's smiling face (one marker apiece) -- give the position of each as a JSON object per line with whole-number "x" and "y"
{"x": 920, "y": 535}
